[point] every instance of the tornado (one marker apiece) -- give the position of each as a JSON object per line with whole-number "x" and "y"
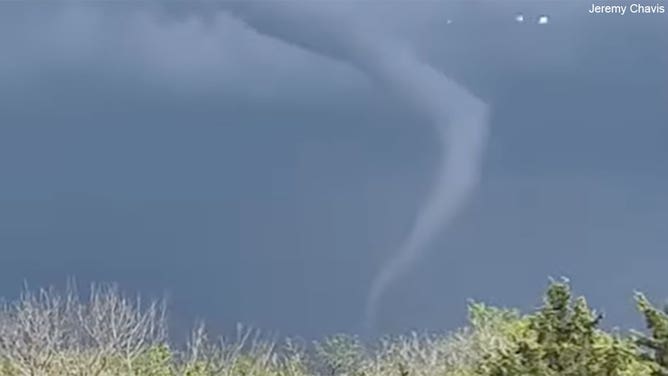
{"x": 459, "y": 117}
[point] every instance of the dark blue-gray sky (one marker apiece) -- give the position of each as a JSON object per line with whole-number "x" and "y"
{"x": 171, "y": 148}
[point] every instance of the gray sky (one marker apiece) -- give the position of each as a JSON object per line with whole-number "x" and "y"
{"x": 176, "y": 149}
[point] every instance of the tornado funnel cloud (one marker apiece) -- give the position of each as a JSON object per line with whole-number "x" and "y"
{"x": 459, "y": 117}
{"x": 461, "y": 122}
{"x": 462, "y": 139}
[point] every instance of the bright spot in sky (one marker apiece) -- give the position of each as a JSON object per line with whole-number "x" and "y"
{"x": 448, "y": 22}
{"x": 542, "y": 20}
{"x": 519, "y": 17}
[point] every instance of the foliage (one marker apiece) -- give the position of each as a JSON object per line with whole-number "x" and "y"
{"x": 45, "y": 334}
{"x": 156, "y": 361}
{"x": 340, "y": 354}
{"x": 655, "y": 345}
{"x": 563, "y": 339}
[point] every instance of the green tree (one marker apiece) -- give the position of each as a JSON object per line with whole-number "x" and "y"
{"x": 654, "y": 345}
{"x": 562, "y": 339}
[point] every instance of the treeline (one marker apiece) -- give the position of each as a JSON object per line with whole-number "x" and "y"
{"x": 46, "y": 333}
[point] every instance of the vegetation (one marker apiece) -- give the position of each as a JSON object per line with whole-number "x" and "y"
{"x": 47, "y": 333}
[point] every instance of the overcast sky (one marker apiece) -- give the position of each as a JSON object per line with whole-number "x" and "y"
{"x": 176, "y": 149}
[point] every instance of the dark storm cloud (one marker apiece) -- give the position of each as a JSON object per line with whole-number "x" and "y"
{"x": 202, "y": 47}
{"x": 135, "y": 44}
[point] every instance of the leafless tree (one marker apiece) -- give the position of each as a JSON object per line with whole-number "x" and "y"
{"x": 46, "y": 333}
{"x": 118, "y": 327}
{"x": 249, "y": 353}
{"x": 35, "y": 330}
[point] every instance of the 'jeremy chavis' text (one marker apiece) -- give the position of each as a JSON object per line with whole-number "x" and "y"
{"x": 623, "y": 9}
